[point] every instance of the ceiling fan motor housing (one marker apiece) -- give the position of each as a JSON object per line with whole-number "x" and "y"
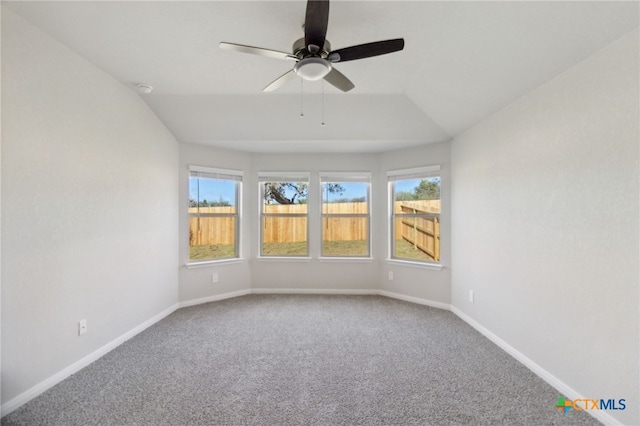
{"x": 300, "y": 50}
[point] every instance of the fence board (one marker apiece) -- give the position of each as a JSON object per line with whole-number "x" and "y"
{"x": 423, "y": 233}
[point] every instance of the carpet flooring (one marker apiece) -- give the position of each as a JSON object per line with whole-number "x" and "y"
{"x": 303, "y": 360}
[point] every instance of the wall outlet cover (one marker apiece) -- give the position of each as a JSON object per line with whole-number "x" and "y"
{"x": 82, "y": 327}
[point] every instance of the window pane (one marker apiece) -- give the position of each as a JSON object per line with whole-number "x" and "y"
{"x": 284, "y": 193}
{"x": 212, "y": 193}
{"x": 417, "y": 238}
{"x": 284, "y": 218}
{"x": 213, "y": 218}
{"x": 284, "y": 235}
{"x": 345, "y": 236}
{"x": 345, "y": 198}
{"x": 212, "y": 237}
{"x": 417, "y": 219}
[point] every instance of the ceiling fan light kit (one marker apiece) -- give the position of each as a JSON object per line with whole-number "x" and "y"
{"x": 312, "y": 69}
{"x": 313, "y": 55}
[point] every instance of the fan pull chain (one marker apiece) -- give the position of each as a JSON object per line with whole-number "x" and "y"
{"x": 323, "y": 123}
{"x": 301, "y": 98}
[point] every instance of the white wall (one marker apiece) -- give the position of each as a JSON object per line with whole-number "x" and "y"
{"x": 347, "y": 276}
{"x": 425, "y": 284}
{"x": 313, "y": 274}
{"x": 545, "y": 201}
{"x": 89, "y": 217}
{"x": 196, "y": 284}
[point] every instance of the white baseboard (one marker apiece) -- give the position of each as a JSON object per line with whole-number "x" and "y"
{"x": 365, "y": 292}
{"x": 214, "y": 298}
{"x": 41, "y": 387}
{"x": 552, "y": 380}
{"x": 340, "y": 291}
{"x": 46, "y": 384}
{"x": 419, "y": 301}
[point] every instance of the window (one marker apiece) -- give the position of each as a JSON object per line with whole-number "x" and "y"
{"x": 284, "y": 214}
{"x": 345, "y": 214}
{"x": 214, "y": 213}
{"x": 415, "y": 214}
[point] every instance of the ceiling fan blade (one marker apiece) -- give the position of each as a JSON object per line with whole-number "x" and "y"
{"x": 337, "y": 79}
{"x": 275, "y": 54}
{"x": 280, "y": 81}
{"x": 366, "y": 50}
{"x": 315, "y": 24}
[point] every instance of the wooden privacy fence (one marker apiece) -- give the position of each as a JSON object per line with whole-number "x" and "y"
{"x": 422, "y": 232}
{"x": 205, "y": 229}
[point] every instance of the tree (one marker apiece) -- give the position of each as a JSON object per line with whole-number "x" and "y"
{"x": 427, "y": 190}
{"x": 204, "y": 203}
{"x": 285, "y": 193}
{"x": 293, "y": 193}
{"x": 405, "y": 196}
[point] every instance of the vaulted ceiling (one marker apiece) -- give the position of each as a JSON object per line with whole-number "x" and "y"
{"x": 462, "y": 62}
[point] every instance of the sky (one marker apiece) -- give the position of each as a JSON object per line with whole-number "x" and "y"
{"x": 212, "y": 190}
{"x": 216, "y": 190}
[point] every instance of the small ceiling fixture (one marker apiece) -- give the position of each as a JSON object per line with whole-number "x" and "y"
{"x": 145, "y": 89}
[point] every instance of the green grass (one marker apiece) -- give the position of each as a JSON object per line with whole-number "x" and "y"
{"x": 345, "y": 248}
{"x": 404, "y": 250}
{"x": 285, "y": 249}
{"x": 211, "y": 251}
{"x": 329, "y": 248}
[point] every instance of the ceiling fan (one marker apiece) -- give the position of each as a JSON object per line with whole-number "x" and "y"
{"x": 312, "y": 54}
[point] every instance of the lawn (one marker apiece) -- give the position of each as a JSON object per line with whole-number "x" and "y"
{"x": 285, "y": 249}
{"x": 329, "y": 248}
{"x": 404, "y": 250}
{"x": 345, "y": 248}
{"x": 211, "y": 251}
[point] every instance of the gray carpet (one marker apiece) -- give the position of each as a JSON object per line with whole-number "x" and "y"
{"x": 303, "y": 360}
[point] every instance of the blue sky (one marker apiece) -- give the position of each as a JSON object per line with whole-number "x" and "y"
{"x": 407, "y": 185}
{"x": 213, "y": 190}
{"x": 351, "y": 190}
{"x": 216, "y": 190}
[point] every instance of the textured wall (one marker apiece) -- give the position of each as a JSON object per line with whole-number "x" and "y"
{"x": 89, "y": 195}
{"x": 545, "y": 204}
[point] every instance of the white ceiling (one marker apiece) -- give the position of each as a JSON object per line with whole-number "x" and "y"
{"x": 462, "y": 62}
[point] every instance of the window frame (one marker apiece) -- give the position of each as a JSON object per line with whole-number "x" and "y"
{"x": 345, "y": 177}
{"x": 281, "y": 177}
{"x": 215, "y": 173}
{"x": 394, "y": 176}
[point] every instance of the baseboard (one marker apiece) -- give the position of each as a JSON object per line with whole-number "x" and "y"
{"x": 340, "y": 291}
{"x": 43, "y": 386}
{"x": 46, "y": 384}
{"x": 214, "y": 298}
{"x": 564, "y": 389}
{"x": 419, "y": 301}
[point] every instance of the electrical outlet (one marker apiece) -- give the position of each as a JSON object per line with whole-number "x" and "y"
{"x": 390, "y": 275}
{"x": 471, "y": 296}
{"x": 214, "y": 277}
{"x": 82, "y": 327}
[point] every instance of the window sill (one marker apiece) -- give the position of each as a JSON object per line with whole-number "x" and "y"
{"x": 346, "y": 259}
{"x": 283, "y": 259}
{"x": 212, "y": 263}
{"x": 420, "y": 265}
